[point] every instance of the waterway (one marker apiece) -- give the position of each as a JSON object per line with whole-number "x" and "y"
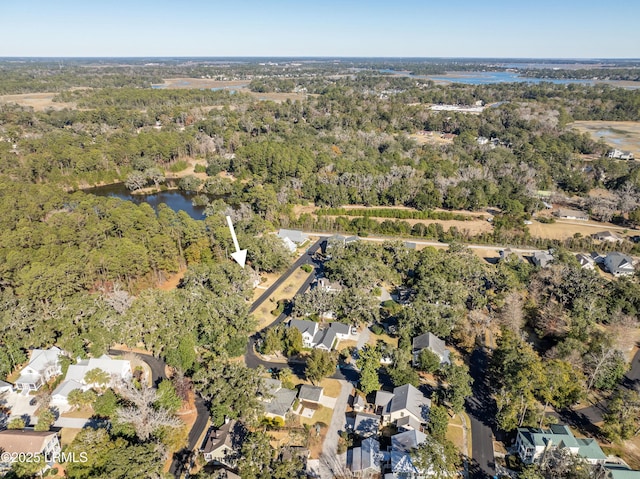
{"x": 177, "y": 200}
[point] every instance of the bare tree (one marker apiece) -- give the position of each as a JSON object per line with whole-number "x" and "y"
{"x": 511, "y": 315}
{"x": 143, "y": 415}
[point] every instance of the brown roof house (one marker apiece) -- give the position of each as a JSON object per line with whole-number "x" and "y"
{"x": 31, "y": 443}
{"x": 222, "y": 445}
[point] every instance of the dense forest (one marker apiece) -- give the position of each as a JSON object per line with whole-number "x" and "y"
{"x": 81, "y": 271}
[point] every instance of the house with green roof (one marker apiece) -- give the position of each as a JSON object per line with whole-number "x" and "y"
{"x": 533, "y": 443}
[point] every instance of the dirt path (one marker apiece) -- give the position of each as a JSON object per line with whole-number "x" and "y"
{"x": 173, "y": 281}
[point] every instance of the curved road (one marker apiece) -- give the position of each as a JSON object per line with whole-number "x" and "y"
{"x": 157, "y": 367}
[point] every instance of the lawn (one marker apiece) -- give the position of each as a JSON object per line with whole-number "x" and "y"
{"x": 286, "y": 291}
{"x": 68, "y": 434}
{"x": 373, "y": 339}
{"x": 322, "y": 414}
{"x": 331, "y": 387}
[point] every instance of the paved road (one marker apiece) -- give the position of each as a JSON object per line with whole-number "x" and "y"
{"x": 306, "y": 258}
{"x": 157, "y": 367}
{"x": 479, "y": 408}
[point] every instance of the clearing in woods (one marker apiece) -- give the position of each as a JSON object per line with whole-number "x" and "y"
{"x": 623, "y": 135}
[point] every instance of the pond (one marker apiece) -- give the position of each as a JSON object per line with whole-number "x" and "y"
{"x": 177, "y": 200}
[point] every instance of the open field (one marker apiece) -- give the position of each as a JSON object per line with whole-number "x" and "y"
{"x": 566, "y": 229}
{"x": 286, "y": 291}
{"x": 624, "y": 135}
{"x": 231, "y": 85}
{"x": 430, "y": 138}
{"x": 37, "y": 101}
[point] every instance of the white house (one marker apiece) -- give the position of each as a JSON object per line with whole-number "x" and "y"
{"x": 314, "y": 337}
{"x": 308, "y": 329}
{"x": 619, "y": 264}
{"x": 290, "y": 245}
{"x": 569, "y": 214}
{"x": 17, "y": 441}
{"x": 586, "y": 261}
{"x": 620, "y": 155}
{"x": 531, "y": 443}
{"x": 405, "y": 401}
{"x": 119, "y": 370}
{"x": 295, "y": 236}
{"x": 5, "y": 387}
{"x": 43, "y": 365}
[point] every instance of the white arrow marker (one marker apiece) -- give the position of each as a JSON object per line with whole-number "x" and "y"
{"x": 240, "y": 255}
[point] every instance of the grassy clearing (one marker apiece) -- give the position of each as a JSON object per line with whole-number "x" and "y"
{"x": 374, "y": 338}
{"x": 332, "y": 387}
{"x": 286, "y": 291}
{"x": 624, "y": 135}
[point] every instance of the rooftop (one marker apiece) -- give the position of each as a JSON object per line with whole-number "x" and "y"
{"x": 27, "y": 441}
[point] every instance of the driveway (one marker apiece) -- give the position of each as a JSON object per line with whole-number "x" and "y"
{"x": 330, "y": 446}
{"x": 19, "y": 405}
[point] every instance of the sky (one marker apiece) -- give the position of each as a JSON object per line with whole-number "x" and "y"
{"x": 333, "y": 28}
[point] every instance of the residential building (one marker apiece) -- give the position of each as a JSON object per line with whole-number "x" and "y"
{"x": 532, "y": 443}
{"x": 277, "y": 400}
{"x": 222, "y": 445}
{"x": 16, "y": 441}
{"x": 400, "y": 463}
{"x": 119, "y": 371}
{"x": 308, "y": 329}
{"x": 290, "y": 245}
{"x": 338, "y": 240}
{"x": 569, "y": 214}
{"x": 310, "y": 394}
{"x": 295, "y": 236}
{"x": 410, "y": 245}
{"x": 365, "y": 460}
{"x": 366, "y": 425}
{"x": 508, "y": 253}
{"x": 620, "y": 155}
{"x": 5, "y": 387}
{"x": 618, "y": 471}
{"x": 314, "y": 337}
{"x": 619, "y": 264}
{"x": 586, "y": 261}
{"x": 607, "y": 236}
{"x": 342, "y": 331}
{"x": 432, "y": 343}
{"x": 329, "y": 286}
{"x": 542, "y": 259}
{"x": 405, "y": 400}
{"x": 43, "y": 365}
{"x": 359, "y": 403}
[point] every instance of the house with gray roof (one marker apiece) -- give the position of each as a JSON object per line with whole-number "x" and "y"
{"x": 5, "y": 387}
{"x": 325, "y": 339}
{"x": 366, "y": 425}
{"x": 607, "y": 236}
{"x": 432, "y": 343}
{"x": 542, "y": 259}
{"x": 308, "y": 329}
{"x": 343, "y": 331}
{"x": 338, "y": 240}
{"x": 295, "y": 236}
{"x": 365, "y": 461}
{"x": 312, "y": 394}
{"x": 400, "y": 461}
{"x": 222, "y": 445}
{"x": 619, "y": 264}
{"x": 569, "y": 214}
{"x": 405, "y": 400}
{"x": 328, "y": 286}
{"x": 277, "y": 400}
{"x": 531, "y": 443}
